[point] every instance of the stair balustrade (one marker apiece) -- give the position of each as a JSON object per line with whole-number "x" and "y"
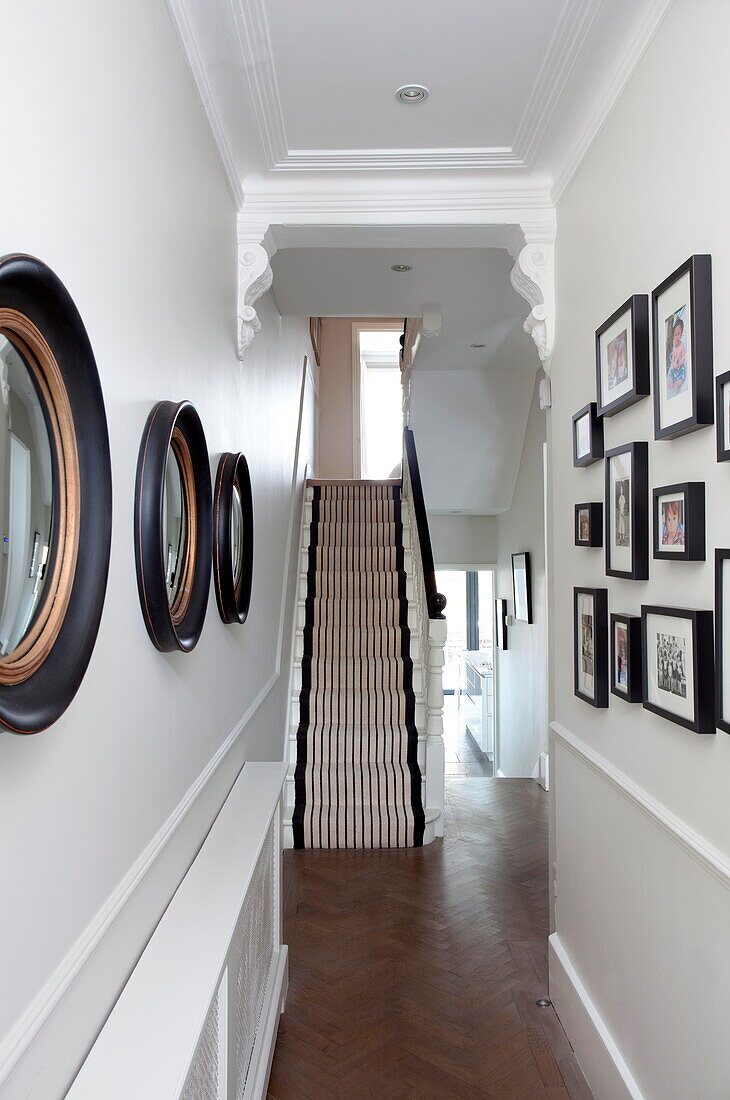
{"x": 430, "y": 604}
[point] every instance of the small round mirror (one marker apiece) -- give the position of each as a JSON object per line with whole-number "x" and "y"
{"x": 236, "y": 536}
{"x": 233, "y": 542}
{"x": 174, "y": 525}
{"x": 26, "y": 498}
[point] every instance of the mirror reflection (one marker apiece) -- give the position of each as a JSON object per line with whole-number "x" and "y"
{"x": 26, "y": 497}
{"x": 174, "y": 525}
{"x": 236, "y": 536}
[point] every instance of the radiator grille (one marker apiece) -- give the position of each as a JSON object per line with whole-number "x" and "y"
{"x": 253, "y": 955}
{"x": 202, "y": 1080}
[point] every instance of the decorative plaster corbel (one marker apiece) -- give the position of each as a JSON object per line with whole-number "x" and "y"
{"x": 254, "y": 279}
{"x": 533, "y": 276}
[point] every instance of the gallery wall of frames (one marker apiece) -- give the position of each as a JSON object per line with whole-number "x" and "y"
{"x": 673, "y": 660}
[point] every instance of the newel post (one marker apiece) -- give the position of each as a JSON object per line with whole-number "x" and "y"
{"x": 435, "y": 722}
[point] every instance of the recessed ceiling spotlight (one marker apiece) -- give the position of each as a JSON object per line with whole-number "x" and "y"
{"x": 401, "y": 267}
{"x": 477, "y": 345}
{"x": 412, "y": 93}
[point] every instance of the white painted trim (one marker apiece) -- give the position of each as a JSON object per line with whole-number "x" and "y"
{"x": 19, "y": 1039}
{"x": 259, "y": 1072}
{"x": 626, "y": 63}
{"x": 600, "y": 1058}
{"x": 707, "y": 855}
{"x": 500, "y": 774}
{"x": 179, "y": 14}
{"x": 571, "y": 30}
{"x": 488, "y": 205}
{"x": 369, "y": 160}
{"x": 191, "y": 812}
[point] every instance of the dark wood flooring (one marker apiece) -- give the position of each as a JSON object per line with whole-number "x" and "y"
{"x": 414, "y": 974}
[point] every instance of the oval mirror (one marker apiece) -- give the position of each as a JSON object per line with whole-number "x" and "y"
{"x": 233, "y": 553}
{"x": 173, "y": 526}
{"x": 55, "y": 496}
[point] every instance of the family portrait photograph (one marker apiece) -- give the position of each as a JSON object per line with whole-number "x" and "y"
{"x": 671, "y": 664}
{"x": 677, "y": 360}
{"x": 622, "y": 511}
{"x": 621, "y": 672}
{"x": 617, "y": 357}
{"x": 672, "y": 522}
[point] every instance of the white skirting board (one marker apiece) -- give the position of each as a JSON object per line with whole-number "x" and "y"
{"x": 599, "y": 1057}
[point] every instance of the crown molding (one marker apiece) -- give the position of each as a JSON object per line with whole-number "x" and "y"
{"x": 181, "y": 19}
{"x": 338, "y": 160}
{"x": 565, "y": 46}
{"x": 608, "y": 96}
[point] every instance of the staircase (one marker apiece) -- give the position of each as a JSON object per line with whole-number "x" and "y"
{"x": 358, "y": 742}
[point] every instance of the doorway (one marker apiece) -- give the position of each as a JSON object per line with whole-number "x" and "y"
{"x": 469, "y": 720}
{"x": 378, "y": 398}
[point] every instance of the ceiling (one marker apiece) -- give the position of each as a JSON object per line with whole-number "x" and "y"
{"x": 469, "y": 286}
{"x": 517, "y": 86}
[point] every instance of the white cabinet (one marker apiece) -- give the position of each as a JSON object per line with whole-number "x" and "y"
{"x": 478, "y": 701}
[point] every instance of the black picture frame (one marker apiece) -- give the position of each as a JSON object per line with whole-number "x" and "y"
{"x": 595, "y": 429}
{"x": 637, "y": 306}
{"x": 599, "y": 699}
{"x": 638, "y": 511}
{"x": 692, "y": 517}
{"x": 500, "y": 623}
{"x": 594, "y": 508}
{"x": 40, "y": 320}
{"x": 521, "y": 563}
{"x": 173, "y": 425}
{"x": 633, "y": 690}
{"x": 701, "y": 403}
{"x": 721, "y": 694}
{"x": 233, "y": 586}
{"x": 701, "y": 668}
{"x": 722, "y": 423}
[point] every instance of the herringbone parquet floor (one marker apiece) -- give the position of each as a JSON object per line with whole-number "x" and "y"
{"x": 414, "y": 973}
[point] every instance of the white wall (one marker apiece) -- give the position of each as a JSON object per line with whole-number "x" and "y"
{"x": 112, "y": 178}
{"x": 641, "y": 805}
{"x": 463, "y": 540}
{"x": 521, "y": 680}
{"x": 469, "y": 427}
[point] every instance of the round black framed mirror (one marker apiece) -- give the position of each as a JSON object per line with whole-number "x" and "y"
{"x": 233, "y": 552}
{"x": 173, "y": 526}
{"x": 55, "y": 496}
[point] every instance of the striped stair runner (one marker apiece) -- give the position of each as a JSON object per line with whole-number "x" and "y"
{"x": 357, "y": 780}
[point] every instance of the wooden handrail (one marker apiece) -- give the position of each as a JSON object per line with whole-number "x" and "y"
{"x": 435, "y": 600}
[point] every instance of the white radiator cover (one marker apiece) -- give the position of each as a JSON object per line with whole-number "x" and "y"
{"x": 197, "y": 1019}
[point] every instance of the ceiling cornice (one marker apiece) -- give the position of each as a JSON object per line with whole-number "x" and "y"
{"x": 180, "y": 17}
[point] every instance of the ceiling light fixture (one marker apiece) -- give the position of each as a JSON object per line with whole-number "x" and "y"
{"x": 477, "y": 345}
{"x": 401, "y": 267}
{"x": 412, "y": 93}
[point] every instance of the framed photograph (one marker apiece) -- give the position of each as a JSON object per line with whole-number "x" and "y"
{"x": 589, "y": 524}
{"x": 722, "y": 415}
{"x": 626, "y": 660}
{"x": 683, "y": 371}
{"x": 679, "y": 521}
{"x": 622, "y": 356}
{"x": 587, "y": 436}
{"x": 522, "y": 587}
{"x": 590, "y": 645}
{"x": 627, "y": 512}
{"x": 500, "y": 623}
{"x": 722, "y": 639}
{"x": 679, "y": 669}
